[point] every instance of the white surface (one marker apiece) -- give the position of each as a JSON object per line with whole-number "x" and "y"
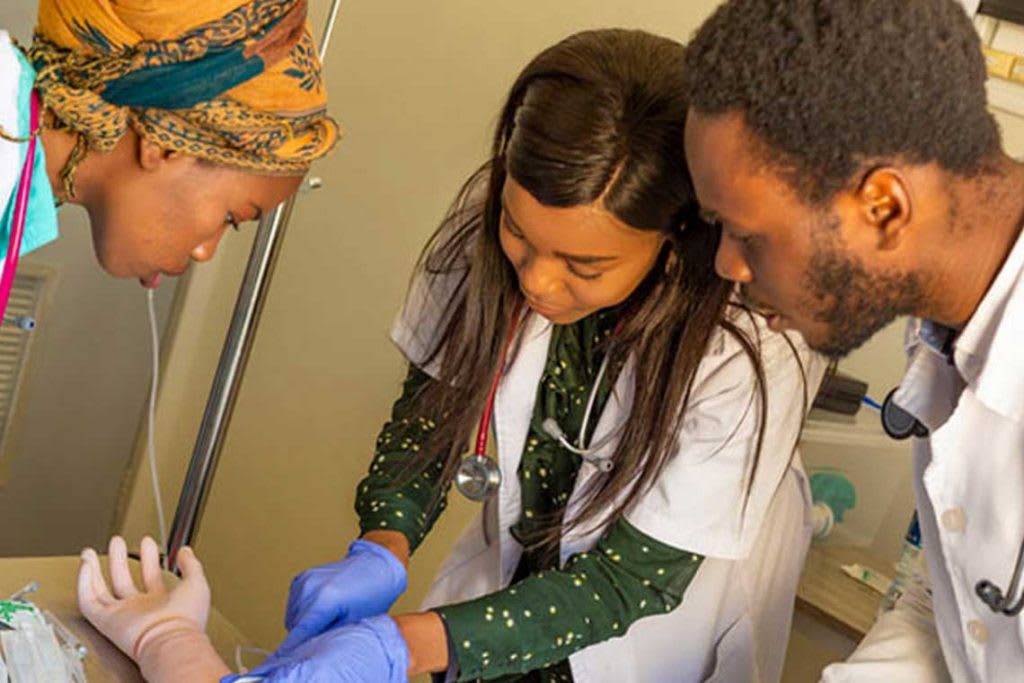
{"x": 1009, "y": 38}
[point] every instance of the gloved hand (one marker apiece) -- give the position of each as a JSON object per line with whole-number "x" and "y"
{"x": 372, "y": 650}
{"x": 364, "y": 584}
{"x": 130, "y": 618}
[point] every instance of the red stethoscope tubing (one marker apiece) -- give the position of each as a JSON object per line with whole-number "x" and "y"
{"x": 484, "y": 429}
{"x": 20, "y": 210}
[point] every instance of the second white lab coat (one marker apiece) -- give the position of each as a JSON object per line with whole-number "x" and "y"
{"x": 969, "y": 484}
{"x": 733, "y": 624}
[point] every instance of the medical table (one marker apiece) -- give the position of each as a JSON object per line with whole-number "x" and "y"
{"x": 104, "y": 663}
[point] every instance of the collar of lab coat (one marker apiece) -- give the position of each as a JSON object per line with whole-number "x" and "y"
{"x": 986, "y": 356}
{"x": 988, "y": 353}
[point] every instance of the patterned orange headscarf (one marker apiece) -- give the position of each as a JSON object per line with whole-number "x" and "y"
{"x": 237, "y": 82}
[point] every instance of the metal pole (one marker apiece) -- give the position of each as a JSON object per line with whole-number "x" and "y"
{"x": 231, "y": 368}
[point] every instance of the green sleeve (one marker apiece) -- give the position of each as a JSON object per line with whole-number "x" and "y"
{"x": 392, "y": 496}
{"x": 549, "y": 615}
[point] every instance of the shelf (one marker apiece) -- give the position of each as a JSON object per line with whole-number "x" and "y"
{"x": 827, "y": 593}
{"x": 864, "y": 429}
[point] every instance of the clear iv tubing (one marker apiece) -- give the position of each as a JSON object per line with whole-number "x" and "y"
{"x": 151, "y": 422}
{"x": 239, "y": 651}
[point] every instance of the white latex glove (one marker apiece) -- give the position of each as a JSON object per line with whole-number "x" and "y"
{"x": 129, "y": 617}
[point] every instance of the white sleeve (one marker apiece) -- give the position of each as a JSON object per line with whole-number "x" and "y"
{"x": 902, "y": 645}
{"x": 705, "y": 501}
{"x": 417, "y": 326}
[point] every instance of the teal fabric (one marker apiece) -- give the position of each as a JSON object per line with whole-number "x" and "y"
{"x": 833, "y": 489}
{"x": 41, "y": 220}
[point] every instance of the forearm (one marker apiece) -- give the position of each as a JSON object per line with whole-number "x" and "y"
{"x": 178, "y": 652}
{"x": 549, "y": 615}
{"x": 427, "y": 641}
{"x": 403, "y": 492}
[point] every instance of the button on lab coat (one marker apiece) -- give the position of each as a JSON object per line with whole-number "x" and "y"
{"x": 969, "y": 484}
{"x": 733, "y": 623}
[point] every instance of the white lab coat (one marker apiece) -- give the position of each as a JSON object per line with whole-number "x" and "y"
{"x": 10, "y": 153}
{"x": 734, "y": 622}
{"x": 969, "y": 484}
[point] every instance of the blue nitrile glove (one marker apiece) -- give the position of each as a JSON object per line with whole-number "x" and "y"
{"x": 370, "y": 651}
{"x": 364, "y": 584}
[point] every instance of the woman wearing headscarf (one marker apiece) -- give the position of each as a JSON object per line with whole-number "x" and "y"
{"x": 167, "y": 120}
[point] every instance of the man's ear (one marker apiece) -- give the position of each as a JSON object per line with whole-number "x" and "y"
{"x": 885, "y": 202}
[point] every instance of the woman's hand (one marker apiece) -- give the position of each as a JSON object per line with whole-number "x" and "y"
{"x": 363, "y": 584}
{"x": 370, "y": 650}
{"x": 130, "y": 617}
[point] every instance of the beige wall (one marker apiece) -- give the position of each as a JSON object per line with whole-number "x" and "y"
{"x": 417, "y": 87}
{"x": 1012, "y": 126}
{"x": 76, "y": 420}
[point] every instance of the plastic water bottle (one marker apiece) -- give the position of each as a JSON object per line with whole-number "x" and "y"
{"x": 906, "y": 567}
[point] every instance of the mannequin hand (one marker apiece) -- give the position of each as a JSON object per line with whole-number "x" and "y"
{"x": 129, "y": 617}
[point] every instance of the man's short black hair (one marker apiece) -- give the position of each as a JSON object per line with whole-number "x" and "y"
{"x": 828, "y": 86}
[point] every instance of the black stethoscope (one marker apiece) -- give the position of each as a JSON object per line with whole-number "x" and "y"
{"x": 900, "y": 425}
{"x": 479, "y": 476}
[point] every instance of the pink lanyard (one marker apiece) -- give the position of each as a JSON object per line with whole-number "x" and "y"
{"x": 20, "y": 209}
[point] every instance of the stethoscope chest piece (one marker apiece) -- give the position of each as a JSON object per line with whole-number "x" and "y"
{"x": 478, "y": 477}
{"x": 898, "y": 423}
